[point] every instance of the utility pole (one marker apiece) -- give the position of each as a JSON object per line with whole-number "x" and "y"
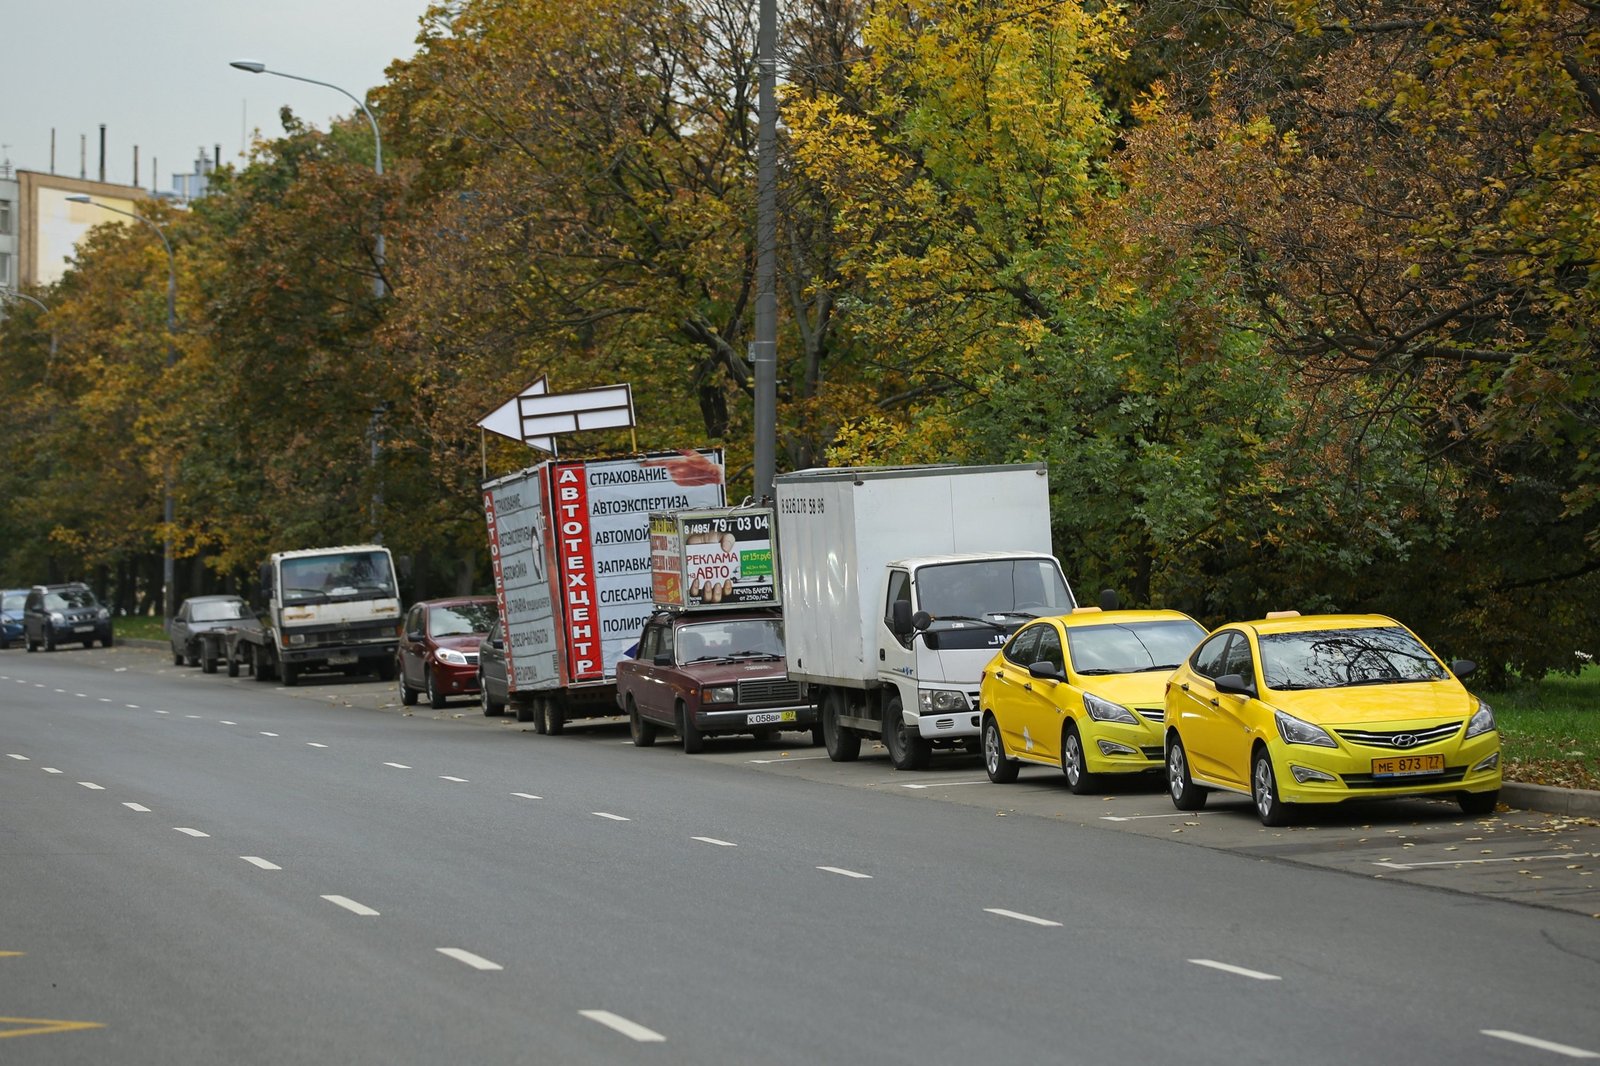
{"x": 765, "y": 348}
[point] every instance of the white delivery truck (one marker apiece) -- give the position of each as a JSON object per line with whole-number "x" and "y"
{"x": 570, "y": 544}
{"x": 899, "y": 583}
{"x": 319, "y": 609}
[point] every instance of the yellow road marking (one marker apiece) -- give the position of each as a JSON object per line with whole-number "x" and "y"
{"x": 39, "y": 1026}
{"x": 9, "y": 954}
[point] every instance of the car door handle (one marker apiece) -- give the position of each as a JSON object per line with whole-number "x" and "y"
{"x": 1184, "y": 686}
{"x": 1028, "y": 687}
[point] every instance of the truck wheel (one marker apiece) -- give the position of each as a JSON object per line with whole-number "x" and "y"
{"x": 642, "y": 732}
{"x": 435, "y": 697}
{"x": 260, "y": 669}
{"x": 1074, "y": 765}
{"x": 1001, "y": 770}
{"x": 190, "y": 658}
{"x": 554, "y": 720}
{"x": 208, "y": 661}
{"x": 233, "y": 664}
{"x": 842, "y": 745}
{"x": 817, "y": 739}
{"x": 291, "y": 674}
{"x": 408, "y": 695}
{"x": 907, "y": 749}
{"x": 694, "y": 741}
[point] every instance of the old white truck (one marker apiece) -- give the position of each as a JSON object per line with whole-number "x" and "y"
{"x": 898, "y": 585}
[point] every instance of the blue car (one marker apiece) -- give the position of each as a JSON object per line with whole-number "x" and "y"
{"x": 11, "y": 615}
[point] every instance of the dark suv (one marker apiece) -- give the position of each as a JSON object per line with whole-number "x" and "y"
{"x": 61, "y": 614}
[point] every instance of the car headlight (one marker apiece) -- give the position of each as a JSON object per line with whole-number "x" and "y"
{"x": 1106, "y": 711}
{"x": 57, "y": 617}
{"x": 1295, "y": 731}
{"x": 451, "y": 656}
{"x": 296, "y": 638}
{"x": 719, "y": 694}
{"x": 941, "y": 700}
{"x": 1482, "y": 721}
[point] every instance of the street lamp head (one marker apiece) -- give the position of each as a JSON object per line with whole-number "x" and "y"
{"x": 248, "y": 64}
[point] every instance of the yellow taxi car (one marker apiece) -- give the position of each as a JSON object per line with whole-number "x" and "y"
{"x": 1082, "y": 691}
{"x": 1325, "y": 708}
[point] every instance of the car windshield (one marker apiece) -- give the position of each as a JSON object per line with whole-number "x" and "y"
{"x": 733, "y": 638}
{"x": 69, "y": 599}
{"x": 217, "y": 611}
{"x": 338, "y": 576}
{"x": 1029, "y": 587}
{"x": 1336, "y": 658}
{"x": 1132, "y": 647}
{"x": 462, "y": 619}
{"x": 13, "y": 601}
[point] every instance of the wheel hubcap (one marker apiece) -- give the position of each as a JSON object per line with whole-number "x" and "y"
{"x": 1175, "y": 772}
{"x": 1263, "y": 782}
{"x": 1072, "y": 758}
{"x": 991, "y": 748}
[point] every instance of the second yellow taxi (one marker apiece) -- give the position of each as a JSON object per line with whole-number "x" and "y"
{"x": 1084, "y": 692}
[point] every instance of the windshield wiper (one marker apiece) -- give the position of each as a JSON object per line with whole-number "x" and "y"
{"x": 1151, "y": 669}
{"x": 968, "y": 618}
{"x": 1098, "y": 671}
{"x": 1375, "y": 681}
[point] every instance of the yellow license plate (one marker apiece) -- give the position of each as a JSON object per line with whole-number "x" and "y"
{"x": 1407, "y": 765}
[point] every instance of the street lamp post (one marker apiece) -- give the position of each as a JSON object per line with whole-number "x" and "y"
{"x": 253, "y": 67}
{"x": 168, "y": 582}
{"x": 13, "y": 294}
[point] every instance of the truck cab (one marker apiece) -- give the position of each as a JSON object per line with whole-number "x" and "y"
{"x": 331, "y": 608}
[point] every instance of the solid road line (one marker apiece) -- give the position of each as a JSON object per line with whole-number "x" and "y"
{"x": 1255, "y": 975}
{"x": 477, "y": 962}
{"x": 624, "y": 1026}
{"x": 1543, "y": 1045}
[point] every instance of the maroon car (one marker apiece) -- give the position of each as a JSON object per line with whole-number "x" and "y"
{"x": 438, "y": 653}
{"x": 713, "y": 672}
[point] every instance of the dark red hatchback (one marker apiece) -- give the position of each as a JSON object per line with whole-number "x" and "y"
{"x": 438, "y": 653}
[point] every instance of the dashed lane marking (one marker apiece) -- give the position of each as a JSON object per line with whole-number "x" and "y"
{"x": 1543, "y": 1045}
{"x": 314, "y": 744}
{"x": 842, "y": 872}
{"x": 612, "y": 817}
{"x": 226, "y": 722}
{"x": 1019, "y": 916}
{"x": 714, "y": 840}
{"x": 19, "y": 758}
{"x": 526, "y": 795}
{"x": 1255, "y": 975}
{"x": 50, "y": 769}
{"x": 256, "y": 860}
{"x": 190, "y": 832}
{"x": 141, "y": 808}
{"x": 457, "y": 780}
{"x": 92, "y": 786}
{"x": 41, "y": 1026}
{"x": 622, "y": 1025}
{"x": 477, "y": 962}
{"x": 397, "y": 765}
{"x": 352, "y": 906}
{"x": 266, "y": 734}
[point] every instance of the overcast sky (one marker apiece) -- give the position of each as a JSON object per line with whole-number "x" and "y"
{"x": 157, "y": 75}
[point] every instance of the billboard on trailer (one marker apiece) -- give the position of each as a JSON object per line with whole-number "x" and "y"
{"x": 713, "y": 558}
{"x": 570, "y": 541}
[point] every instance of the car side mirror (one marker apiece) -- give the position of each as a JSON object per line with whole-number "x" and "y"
{"x": 1463, "y": 667}
{"x": 900, "y": 618}
{"x": 1235, "y": 685}
{"x": 414, "y": 634}
{"x": 497, "y": 644}
{"x": 1045, "y": 671}
{"x": 663, "y": 659}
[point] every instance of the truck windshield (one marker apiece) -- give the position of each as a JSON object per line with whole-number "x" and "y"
{"x": 733, "y": 638}
{"x": 982, "y": 588}
{"x": 337, "y": 576}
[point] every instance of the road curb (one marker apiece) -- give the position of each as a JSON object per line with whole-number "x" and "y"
{"x": 1576, "y": 802}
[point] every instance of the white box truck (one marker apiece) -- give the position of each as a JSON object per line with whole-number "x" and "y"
{"x": 898, "y": 584}
{"x": 569, "y": 540}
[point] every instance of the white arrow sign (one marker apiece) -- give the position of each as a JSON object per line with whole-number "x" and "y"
{"x": 506, "y": 420}
{"x": 544, "y": 416}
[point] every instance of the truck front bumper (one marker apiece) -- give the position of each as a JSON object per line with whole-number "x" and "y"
{"x": 945, "y": 726}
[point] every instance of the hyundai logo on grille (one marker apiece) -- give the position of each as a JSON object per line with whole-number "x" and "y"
{"x": 1404, "y": 740}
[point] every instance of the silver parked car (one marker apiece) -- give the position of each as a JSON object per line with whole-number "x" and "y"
{"x": 197, "y": 615}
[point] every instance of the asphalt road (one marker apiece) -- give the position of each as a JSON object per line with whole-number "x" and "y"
{"x": 195, "y": 869}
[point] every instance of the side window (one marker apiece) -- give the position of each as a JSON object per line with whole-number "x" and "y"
{"x": 1049, "y": 650}
{"x": 1237, "y": 661}
{"x": 414, "y": 619}
{"x": 34, "y": 601}
{"x": 1208, "y": 657}
{"x": 668, "y": 640}
{"x": 1020, "y": 652}
{"x": 649, "y": 643}
{"x": 899, "y": 590}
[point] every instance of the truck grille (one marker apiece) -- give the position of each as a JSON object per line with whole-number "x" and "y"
{"x": 769, "y": 690}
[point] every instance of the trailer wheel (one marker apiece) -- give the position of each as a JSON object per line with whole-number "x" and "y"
{"x": 528, "y": 712}
{"x": 554, "y": 720}
{"x": 233, "y": 664}
{"x": 907, "y": 748}
{"x": 842, "y": 744}
{"x": 260, "y": 663}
